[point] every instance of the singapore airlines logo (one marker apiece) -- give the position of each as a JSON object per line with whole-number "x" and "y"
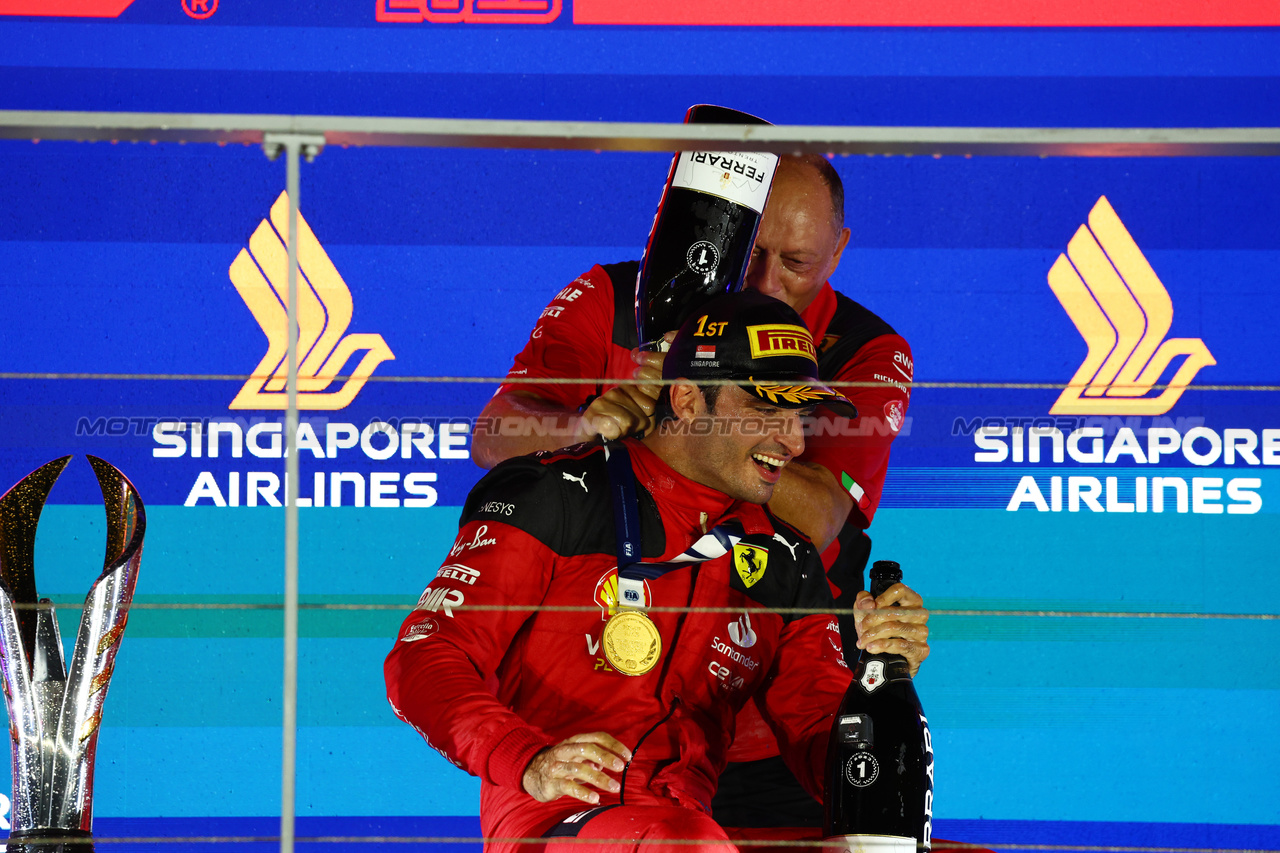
{"x": 261, "y": 275}
{"x": 1123, "y": 313}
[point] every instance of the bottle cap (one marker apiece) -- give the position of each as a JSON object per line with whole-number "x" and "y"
{"x": 884, "y": 574}
{"x": 712, "y": 114}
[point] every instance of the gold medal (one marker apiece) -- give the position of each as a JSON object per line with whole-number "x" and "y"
{"x": 631, "y": 642}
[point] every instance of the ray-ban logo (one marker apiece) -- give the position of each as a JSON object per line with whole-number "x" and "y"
{"x": 1123, "y": 312}
{"x": 261, "y": 275}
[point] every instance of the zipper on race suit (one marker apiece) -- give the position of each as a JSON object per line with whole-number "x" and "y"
{"x": 622, "y": 780}
{"x": 694, "y": 574}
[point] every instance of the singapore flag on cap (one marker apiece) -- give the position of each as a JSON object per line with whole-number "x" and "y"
{"x": 705, "y": 352}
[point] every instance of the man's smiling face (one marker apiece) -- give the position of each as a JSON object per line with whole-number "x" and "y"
{"x": 745, "y": 443}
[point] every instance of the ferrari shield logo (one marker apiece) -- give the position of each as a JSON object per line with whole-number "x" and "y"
{"x": 750, "y": 561}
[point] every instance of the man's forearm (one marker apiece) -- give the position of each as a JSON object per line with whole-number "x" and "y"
{"x": 514, "y": 424}
{"x": 427, "y": 688}
{"x": 808, "y": 497}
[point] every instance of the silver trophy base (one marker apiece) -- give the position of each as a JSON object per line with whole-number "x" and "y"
{"x": 51, "y": 841}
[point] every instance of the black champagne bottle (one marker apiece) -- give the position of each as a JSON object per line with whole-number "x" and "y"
{"x": 879, "y": 779}
{"x": 703, "y": 231}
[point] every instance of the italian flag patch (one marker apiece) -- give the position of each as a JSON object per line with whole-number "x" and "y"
{"x": 855, "y": 491}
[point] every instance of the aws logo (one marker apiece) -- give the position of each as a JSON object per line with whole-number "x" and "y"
{"x": 261, "y": 275}
{"x": 1123, "y": 312}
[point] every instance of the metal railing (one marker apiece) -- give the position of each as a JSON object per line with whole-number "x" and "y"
{"x": 299, "y": 136}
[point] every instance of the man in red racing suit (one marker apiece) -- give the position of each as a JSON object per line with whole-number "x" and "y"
{"x": 831, "y": 493}
{"x": 568, "y": 743}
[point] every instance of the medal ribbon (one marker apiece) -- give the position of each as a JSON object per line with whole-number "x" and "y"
{"x": 632, "y": 573}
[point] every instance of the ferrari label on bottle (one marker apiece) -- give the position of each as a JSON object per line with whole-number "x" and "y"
{"x": 742, "y": 177}
{"x": 928, "y": 793}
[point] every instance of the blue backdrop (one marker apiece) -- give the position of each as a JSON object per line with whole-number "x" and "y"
{"x": 117, "y": 258}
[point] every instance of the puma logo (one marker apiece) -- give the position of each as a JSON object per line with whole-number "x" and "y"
{"x": 581, "y": 481}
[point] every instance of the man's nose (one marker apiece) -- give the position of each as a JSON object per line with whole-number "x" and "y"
{"x": 763, "y": 274}
{"x": 791, "y": 433}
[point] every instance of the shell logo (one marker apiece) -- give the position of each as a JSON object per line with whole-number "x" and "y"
{"x": 607, "y": 594}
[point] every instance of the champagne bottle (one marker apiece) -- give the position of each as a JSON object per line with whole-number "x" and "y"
{"x": 879, "y": 778}
{"x": 703, "y": 230}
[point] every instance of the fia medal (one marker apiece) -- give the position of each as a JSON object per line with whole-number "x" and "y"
{"x": 631, "y": 642}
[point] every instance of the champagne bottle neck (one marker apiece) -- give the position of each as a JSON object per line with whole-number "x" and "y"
{"x": 883, "y": 667}
{"x": 884, "y": 574}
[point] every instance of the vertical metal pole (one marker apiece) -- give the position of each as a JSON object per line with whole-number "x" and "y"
{"x": 288, "y": 770}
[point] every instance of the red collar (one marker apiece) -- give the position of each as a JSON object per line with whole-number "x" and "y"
{"x": 819, "y": 313}
{"x": 670, "y": 488}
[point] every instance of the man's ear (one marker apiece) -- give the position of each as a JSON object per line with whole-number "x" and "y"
{"x": 686, "y": 401}
{"x": 841, "y": 242}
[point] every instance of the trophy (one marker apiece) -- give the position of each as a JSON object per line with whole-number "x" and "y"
{"x": 54, "y": 713}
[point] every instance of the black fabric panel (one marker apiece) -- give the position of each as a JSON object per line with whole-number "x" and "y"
{"x": 572, "y": 825}
{"x": 623, "y": 277}
{"x": 520, "y": 493}
{"x": 855, "y": 326}
{"x": 793, "y": 575}
{"x": 761, "y": 794}
{"x": 846, "y": 574}
{"x": 812, "y": 590}
{"x": 561, "y": 498}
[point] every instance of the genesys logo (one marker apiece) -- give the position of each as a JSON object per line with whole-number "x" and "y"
{"x": 1123, "y": 312}
{"x": 260, "y": 274}
{"x": 467, "y": 11}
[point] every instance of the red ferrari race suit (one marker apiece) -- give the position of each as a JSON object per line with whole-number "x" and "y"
{"x": 589, "y": 329}
{"x": 536, "y": 550}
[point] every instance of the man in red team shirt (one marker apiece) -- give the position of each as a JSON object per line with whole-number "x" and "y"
{"x": 830, "y": 493}
{"x": 659, "y": 554}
